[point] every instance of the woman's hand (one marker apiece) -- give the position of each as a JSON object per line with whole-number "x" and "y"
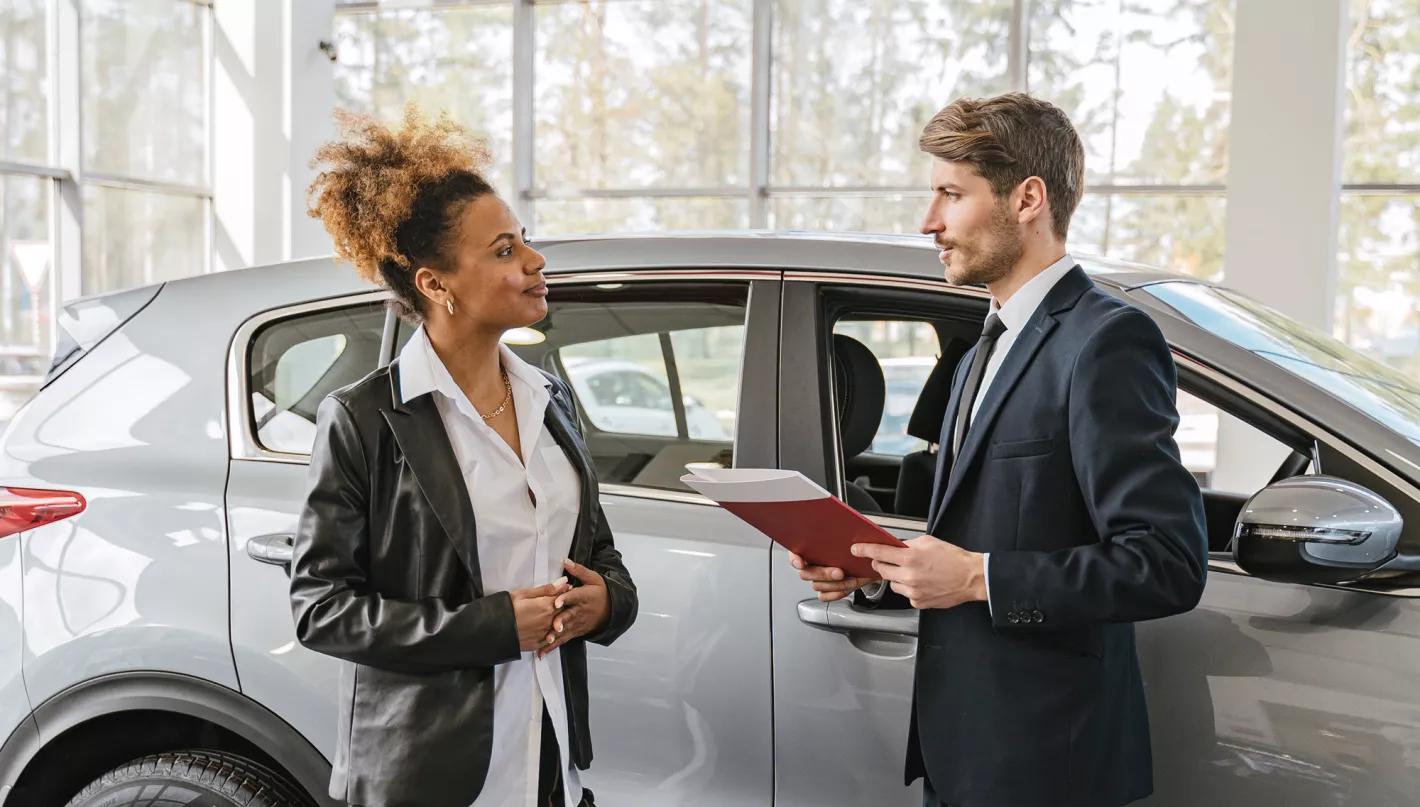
{"x": 579, "y": 611}
{"x": 534, "y": 609}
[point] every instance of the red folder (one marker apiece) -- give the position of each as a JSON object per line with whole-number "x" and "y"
{"x": 793, "y": 512}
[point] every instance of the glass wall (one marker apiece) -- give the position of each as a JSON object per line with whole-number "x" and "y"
{"x": 139, "y": 168}
{"x": 144, "y": 77}
{"x": 642, "y": 112}
{"x": 1378, "y": 260}
{"x": 26, "y": 243}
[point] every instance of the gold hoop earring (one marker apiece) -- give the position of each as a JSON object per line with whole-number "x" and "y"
{"x": 450, "y": 303}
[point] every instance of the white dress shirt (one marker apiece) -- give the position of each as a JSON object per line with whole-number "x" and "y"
{"x": 520, "y": 545}
{"x": 1017, "y": 311}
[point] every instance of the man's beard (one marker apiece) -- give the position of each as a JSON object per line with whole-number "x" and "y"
{"x": 1001, "y": 248}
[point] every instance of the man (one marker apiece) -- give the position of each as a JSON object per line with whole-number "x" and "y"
{"x": 1060, "y": 514}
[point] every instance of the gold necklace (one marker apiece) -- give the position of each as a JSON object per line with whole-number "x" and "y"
{"x": 508, "y": 396}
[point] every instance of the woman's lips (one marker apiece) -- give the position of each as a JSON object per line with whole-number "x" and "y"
{"x": 540, "y": 290}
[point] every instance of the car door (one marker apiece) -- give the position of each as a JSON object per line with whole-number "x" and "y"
{"x": 1266, "y": 693}
{"x": 282, "y": 364}
{"x": 1274, "y": 692}
{"x": 680, "y": 705}
{"x": 843, "y": 676}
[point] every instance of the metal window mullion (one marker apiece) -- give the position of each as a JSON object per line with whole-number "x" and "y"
{"x": 1016, "y": 55}
{"x": 30, "y": 169}
{"x": 209, "y": 218}
{"x": 524, "y": 115}
{"x": 66, "y": 153}
{"x": 1380, "y": 189}
{"x": 761, "y": 78}
{"x": 638, "y": 193}
{"x": 149, "y": 185}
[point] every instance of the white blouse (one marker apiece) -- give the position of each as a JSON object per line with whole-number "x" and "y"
{"x": 520, "y": 545}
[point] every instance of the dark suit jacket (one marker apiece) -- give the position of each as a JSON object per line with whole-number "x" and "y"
{"x": 1070, "y": 477}
{"x": 385, "y": 574}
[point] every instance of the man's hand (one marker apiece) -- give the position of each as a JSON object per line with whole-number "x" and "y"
{"x": 930, "y": 572}
{"x": 829, "y": 581}
{"x": 534, "y": 609}
{"x": 579, "y": 611}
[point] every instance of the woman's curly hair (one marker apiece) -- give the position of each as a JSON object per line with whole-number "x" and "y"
{"x": 390, "y": 198}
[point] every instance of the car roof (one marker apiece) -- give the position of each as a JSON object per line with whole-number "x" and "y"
{"x": 913, "y": 256}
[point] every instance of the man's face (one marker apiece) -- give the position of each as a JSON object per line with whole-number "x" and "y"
{"x": 978, "y": 237}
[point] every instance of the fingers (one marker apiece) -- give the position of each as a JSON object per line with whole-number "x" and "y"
{"x": 566, "y": 626}
{"x": 575, "y": 597}
{"x": 552, "y": 589}
{"x": 812, "y": 573}
{"x": 832, "y": 596}
{"x": 881, "y": 552}
{"x": 577, "y": 570}
{"x": 838, "y": 585}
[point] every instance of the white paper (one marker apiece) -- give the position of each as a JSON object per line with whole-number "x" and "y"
{"x": 752, "y": 484}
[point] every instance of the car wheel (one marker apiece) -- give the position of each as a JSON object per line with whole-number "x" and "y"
{"x": 190, "y": 779}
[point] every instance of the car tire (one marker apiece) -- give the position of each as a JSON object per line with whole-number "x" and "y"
{"x": 191, "y": 779}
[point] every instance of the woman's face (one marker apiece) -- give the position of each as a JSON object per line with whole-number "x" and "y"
{"x": 496, "y": 279}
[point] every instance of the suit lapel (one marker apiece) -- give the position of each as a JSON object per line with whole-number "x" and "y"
{"x": 1033, "y": 335}
{"x": 420, "y": 434}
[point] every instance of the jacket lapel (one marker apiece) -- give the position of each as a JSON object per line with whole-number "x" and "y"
{"x": 1033, "y": 335}
{"x": 559, "y": 422}
{"x": 420, "y": 434}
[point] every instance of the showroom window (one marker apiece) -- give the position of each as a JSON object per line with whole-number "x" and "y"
{"x": 1147, "y": 85}
{"x": 144, "y": 80}
{"x": 27, "y": 180}
{"x": 708, "y": 114}
{"x": 1378, "y": 260}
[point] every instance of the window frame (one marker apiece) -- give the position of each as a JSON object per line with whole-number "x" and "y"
{"x": 241, "y": 423}
{"x": 756, "y": 380}
{"x": 1258, "y": 410}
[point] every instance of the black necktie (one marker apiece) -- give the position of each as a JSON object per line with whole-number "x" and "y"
{"x": 992, "y": 330}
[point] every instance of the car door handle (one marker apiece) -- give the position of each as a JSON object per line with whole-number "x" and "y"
{"x": 274, "y": 549}
{"x": 842, "y": 617}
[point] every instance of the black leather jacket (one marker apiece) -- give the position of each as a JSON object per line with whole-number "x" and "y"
{"x": 385, "y": 575}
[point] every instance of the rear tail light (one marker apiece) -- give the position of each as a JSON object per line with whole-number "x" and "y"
{"x": 26, "y": 508}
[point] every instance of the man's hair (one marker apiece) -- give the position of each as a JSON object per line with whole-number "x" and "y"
{"x": 1009, "y": 138}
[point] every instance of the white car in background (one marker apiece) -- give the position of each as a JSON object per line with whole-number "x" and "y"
{"x": 622, "y": 396}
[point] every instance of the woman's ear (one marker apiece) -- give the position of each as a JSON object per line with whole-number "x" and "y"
{"x": 427, "y": 283}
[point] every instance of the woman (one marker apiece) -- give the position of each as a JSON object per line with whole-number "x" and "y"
{"x": 452, "y": 545}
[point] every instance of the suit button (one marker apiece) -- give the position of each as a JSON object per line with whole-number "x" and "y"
{"x": 1037, "y": 616}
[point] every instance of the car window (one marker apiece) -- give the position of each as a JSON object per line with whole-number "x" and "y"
{"x": 295, "y": 362}
{"x": 907, "y": 351}
{"x": 654, "y": 368}
{"x": 1360, "y": 381}
{"x": 1223, "y": 452}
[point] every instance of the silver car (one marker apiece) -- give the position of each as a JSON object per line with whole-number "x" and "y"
{"x": 152, "y": 485}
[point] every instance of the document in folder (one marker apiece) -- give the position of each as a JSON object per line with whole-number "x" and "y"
{"x": 794, "y": 512}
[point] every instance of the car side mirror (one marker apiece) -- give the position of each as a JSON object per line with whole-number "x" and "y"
{"x": 1318, "y": 529}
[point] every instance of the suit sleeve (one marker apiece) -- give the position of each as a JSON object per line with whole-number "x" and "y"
{"x": 1147, "y": 557}
{"x": 336, "y": 611}
{"x": 622, "y": 602}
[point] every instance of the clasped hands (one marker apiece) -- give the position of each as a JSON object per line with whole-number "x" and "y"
{"x": 550, "y": 615}
{"x": 929, "y": 572}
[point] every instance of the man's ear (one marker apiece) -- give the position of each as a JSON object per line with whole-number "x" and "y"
{"x": 1032, "y": 201}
